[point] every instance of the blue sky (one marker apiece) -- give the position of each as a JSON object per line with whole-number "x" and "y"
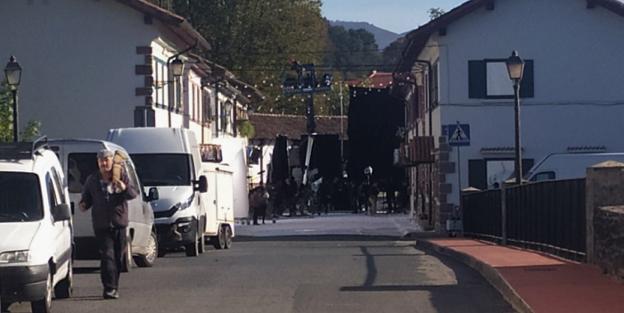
{"x": 398, "y": 16}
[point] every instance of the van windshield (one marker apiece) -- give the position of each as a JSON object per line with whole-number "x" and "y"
{"x": 20, "y": 197}
{"x": 163, "y": 169}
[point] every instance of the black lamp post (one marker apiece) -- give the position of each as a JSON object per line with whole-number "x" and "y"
{"x": 515, "y": 68}
{"x": 177, "y": 68}
{"x": 13, "y": 73}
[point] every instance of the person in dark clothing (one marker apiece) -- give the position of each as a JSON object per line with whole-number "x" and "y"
{"x": 290, "y": 189}
{"x": 107, "y": 198}
{"x": 258, "y": 203}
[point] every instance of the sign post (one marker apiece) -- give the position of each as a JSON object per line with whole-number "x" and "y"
{"x": 458, "y": 135}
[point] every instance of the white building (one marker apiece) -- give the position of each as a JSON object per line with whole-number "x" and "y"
{"x": 89, "y": 66}
{"x": 571, "y": 94}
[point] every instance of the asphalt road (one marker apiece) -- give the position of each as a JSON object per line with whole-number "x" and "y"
{"x": 293, "y": 274}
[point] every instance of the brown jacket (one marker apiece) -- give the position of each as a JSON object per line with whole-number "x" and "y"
{"x": 107, "y": 210}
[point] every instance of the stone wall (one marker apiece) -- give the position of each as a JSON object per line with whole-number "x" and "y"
{"x": 609, "y": 240}
{"x": 605, "y": 217}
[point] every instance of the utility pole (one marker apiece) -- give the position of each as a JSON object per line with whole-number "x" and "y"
{"x": 306, "y": 84}
{"x": 341, "y": 126}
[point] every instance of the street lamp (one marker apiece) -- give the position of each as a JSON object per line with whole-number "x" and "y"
{"x": 515, "y": 68}
{"x": 177, "y": 67}
{"x": 13, "y": 73}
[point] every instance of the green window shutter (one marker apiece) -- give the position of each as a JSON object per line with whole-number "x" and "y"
{"x": 476, "y": 79}
{"x": 477, "y": 174}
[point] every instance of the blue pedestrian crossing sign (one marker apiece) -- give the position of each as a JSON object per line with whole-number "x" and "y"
{"x": 457, "y": 134}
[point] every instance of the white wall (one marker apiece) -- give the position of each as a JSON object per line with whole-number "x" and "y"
{"x": 78, "y": 59}
{"x": 578, "y": 72}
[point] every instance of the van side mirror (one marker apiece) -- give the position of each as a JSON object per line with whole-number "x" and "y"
{"x": 202, "y": 184}
{"x": 153, "y": 195}
{"x": 61, "y": 212}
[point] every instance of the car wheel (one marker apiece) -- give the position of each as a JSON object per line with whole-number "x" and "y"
{"x": 228, "y": 236}
{"x": 218, "y": 241}
{"x": 192, "y": 249}
{"x": 148, "y": 259}
{"x": 44, "y": 305}
{"x": 125, "y": 267}
{"x": 200, "y": 242}
{"x": 63, "y": 289}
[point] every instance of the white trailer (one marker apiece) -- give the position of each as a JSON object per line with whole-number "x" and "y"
{"x": 234, "y": 157}
{"x": 219, "y": 204}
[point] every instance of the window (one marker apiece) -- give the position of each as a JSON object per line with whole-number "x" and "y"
{"x": 52, "y": 189}
{"x": 491, "y": 173}
{"x": 164, "y": 76}
{"x": 488, "y": 79}
{"x": 209, "y": 107}
{"x": 79, "y": 167}
{"x": 163, "y": 169}
{"x": 499, "y": 171}
{"x": 59, "y": 182}
{"x": 542, "y": 176}
{"x": 435, "y": 88}
{"x": 211, "y": 153}
{"x": 20, "y": 197}
{"x": 160, "y": 77}
{"x": 178, "y": 94}
{"x": 157, "y": 82}
{"x": 226, "y": 113}
{"x": 198, "y": 100}
{"x": 132, "y": 176}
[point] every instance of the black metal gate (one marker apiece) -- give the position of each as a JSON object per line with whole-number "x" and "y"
{"x": 545, "y": 216}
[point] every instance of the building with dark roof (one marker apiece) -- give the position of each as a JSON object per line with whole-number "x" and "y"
{"x": 89, "y": 66}
{"x": 453, "y": 71}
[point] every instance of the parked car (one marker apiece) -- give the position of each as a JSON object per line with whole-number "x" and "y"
{"x": 79, "y": 160}
{"x": 169, "y": 159}
{"x": 568, "y": 165}
{"x": 36, "y": 227}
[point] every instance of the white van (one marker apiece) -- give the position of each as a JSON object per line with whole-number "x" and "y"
{"x": 568, "y": 165}
{"x": 79, "y": 160}
{"x": 36, "y": 228}
{"x": 168, "y": 159}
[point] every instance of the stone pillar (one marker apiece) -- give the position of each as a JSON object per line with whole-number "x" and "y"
{"x": 604, "y": 188}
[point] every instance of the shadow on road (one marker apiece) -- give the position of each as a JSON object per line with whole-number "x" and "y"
{"x": 470, "y": 294}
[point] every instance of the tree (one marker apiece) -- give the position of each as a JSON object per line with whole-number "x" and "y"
{"x": 30, "y": 132}
{"x": 435, "y": 13}
{"x": 256, "y": 39}
{"x": 353, "y": 53}
{"x": 392, "y": 54}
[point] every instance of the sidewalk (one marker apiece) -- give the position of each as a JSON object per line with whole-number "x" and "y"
{"x": 533, "y": 282}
